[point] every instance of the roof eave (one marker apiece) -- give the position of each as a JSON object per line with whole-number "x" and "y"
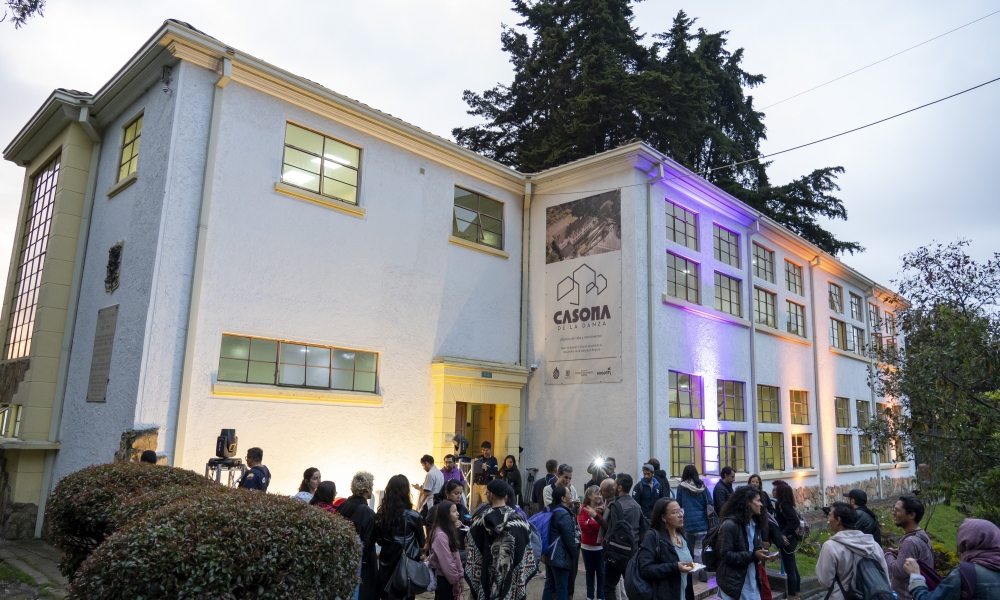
{"x": 58, "y": 110}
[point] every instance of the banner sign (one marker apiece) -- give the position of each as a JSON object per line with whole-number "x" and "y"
{"x": 583, "y": 290}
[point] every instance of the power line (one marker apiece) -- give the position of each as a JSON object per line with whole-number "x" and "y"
{"x": 880, "y": 61}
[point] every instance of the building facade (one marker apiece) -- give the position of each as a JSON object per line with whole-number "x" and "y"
{"x": 210, "y": 242}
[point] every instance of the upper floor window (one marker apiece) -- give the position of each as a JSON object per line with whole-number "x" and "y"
{"x": 727, "y": 246}
{"x": 768, "y": 408}
{"x": 682, "y": 278}
{"x": 796, "y": 318}
{"x": 836, "y": 298}
{"x": 802, "y": 451}
{"x": 130, "y": 149}
{"x": 857, "y": 312}
{"x": 682, "y": 226}
{"x": 873, "y": 318}
{"x": 725, "y": 449}
{"x": 730, "y": 399}
{"x": 793, "y": 277}
{"x": 763, "y": 263}
{"x": 764, "y": 309}
{"x": 843, "y": 407}
{"x": 856, "y": 340}
{"x": 838, "y": 334}
{"x": 864, "y": 412}
{"x": 890, "y": 324}
{"x": 771, "y": 445}
{"x": 799, "y": 404}
{"x": 845, "y": 449}
{"x": 685, "y": 396}
{"x": 320, "y": 164}
{"x": 480, "y": 219}
{"x": 727, "y": 295}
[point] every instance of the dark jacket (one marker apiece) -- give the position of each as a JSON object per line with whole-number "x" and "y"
{"x": 563, "y": 543}
{"x": 695, "y": 505}
{"x": 538, "y": 490}
{"x": 950, "y": 588}
{"x": 513, "y": 479}
{"x": 356, "y": 510}
{"x": 735, "y": 557}
{"x": 657, "y": 561}
{"x": 788, "y": 521}
{"x": 661, "y": 476}
{"x": 646, "y": 494}
{"x": 257, "y": 478}
{"x": 409, "y": 529}
{"x": 868, "y": 523}
{"x": 720, "y": 494}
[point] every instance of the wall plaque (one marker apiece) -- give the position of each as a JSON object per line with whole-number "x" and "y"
{"x": 100, "y": 360}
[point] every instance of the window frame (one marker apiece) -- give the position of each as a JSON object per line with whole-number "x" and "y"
{"x": 734, "y": 403}
{"x": 672, "y": 220}
{"x": 796, "y": 272}
{"x": 134, "y": 145}
{"x": 677, "y": 461}
{"x": 800, "y": 318}
{"x": 322, "y": 160}
{"x": 695, "y": 392}
{"x": 770, "y": 318}
{"x": 802, "y": 457}
{"x": 723, "y": 287}
{"x": 857, "y": 312}
{"x": 695, "y": 267}
{"x": 836, "y": 293}
{"x": 838, "y": 334}
{"x": 777, "y": 451}
{"x": 798, "y": 407}
{"x": 845, "y": 450}
{"x": 731, "y": 252}
{"x": 842, "y": 412}
{"x": 773, "y": 403}
{"x": 765, "y": 272}
{"x": 479, "y": 215}
{"x": 725, "y": 441}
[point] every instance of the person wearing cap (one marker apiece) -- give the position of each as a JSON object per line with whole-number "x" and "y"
{"x": 648, "y": 491}
{"x": 497, "y": 526}
{"x": 866, "y": 522}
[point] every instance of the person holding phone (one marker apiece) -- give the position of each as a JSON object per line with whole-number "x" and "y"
{"x": 739, "y": 546}
{"x": 664, "y": 557}
{"x": 593, "y": 553}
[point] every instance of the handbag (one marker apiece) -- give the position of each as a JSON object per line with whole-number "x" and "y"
{"x": 410, "y": 578}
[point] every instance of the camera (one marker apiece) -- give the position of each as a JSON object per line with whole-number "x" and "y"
{"x": 225, "y": 444}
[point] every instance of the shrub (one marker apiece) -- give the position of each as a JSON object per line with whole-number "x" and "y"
{"x": 85, "y": 506}
{"x": 944, "y": 560}
{"x": 237, "y": 544}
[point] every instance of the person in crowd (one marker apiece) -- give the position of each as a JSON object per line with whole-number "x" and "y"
{"x": 433, "y": 482}
{"x": 664, "y": 558}
{"x": 724, "y": 489}
{"x": 326, "y": 493}
{"x": 310, "y": 481}
{"x": 624, "y": 508}
{"x": 661, "y": 476}
{"x": 786, "y": 539}
{"x": 396, "y": 520}
{"x": 512, "y": 475}
{"x": 442, "y": 551}
{"x": 563, "y": 546}
{"x": 593, "y": 553}
{"x": 867, "y": 522}
{"x": 647, "y": 491}
{"x": 356, "y": 510}
{"x": 979, "y": 545}
{"x": 839, "y": 554}
{"x": 500, "y": 559}
{"x": 758, "y": 483}
{"x": 611, "y": 467}
{"x": 148, "y": 456}
{"x": 538, "y": 491}
{"x": 258, "y": 477}
{"x": 564, "y": 477}
{"x": 915, "y": 544}
{"x": 490, "y": 470}
{"x": 452, "y": 492}
{"x": 511, "y": 503}
{"x": 452, "y": 470}
{"x": 598, "y": 472}
{"x": 692, "y": 495}
{"x": 739, "y": 546}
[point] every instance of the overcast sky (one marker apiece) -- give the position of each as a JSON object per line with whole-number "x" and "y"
{"x": 925, "y": 176}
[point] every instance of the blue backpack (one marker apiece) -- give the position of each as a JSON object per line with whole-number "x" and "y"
{"x": 542, "y": 522}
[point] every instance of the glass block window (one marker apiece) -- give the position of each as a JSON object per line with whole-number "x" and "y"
{"x": 685, "y": 449}
{"x": 796, "y": 318}
{"x": 802, "y": 451}
{"x": 727, "y": 246}
{"x": 866, "y": 457}
{"x": 320, "y": 164}
{"x": 130, "y": 149}
{"x": 768, "y": 404}
{"x": 685, "y": 396}
{"x": 730, "y": 399}
{"x": 763, "y": 263}
{"x": 480, "y": 219}
{"x": 727, "y": 295}
{"x": 857, "y": 312}
{"x": 843, "y": 407}
{"x": 763, "y": 307}
{"x": 856, "y": 340}
{"x": 725, "y": 449}
{"x": 864, "y": 412}
{"x": 799, "y": 403}
{"x": 31, "y": 259}
{"x": 793, "y": 278}
{"x": 257, "y": 360}
{"x": 838, "y": 334}
{"x": 682, "y": 226}
{"x": 845, "y": 450}
{"x": 771, "y": 446}
{"x": 836, "y": 298}
{"x": 682, "y": 278}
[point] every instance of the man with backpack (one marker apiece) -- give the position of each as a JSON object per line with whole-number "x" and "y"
{"x": 626, "y": 526}
{"x": 850, "y": 562}
{"x": 915, "y": 544}
{"x": 866, "y": 519}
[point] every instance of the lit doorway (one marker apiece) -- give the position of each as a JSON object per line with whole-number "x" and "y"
{"x": 477, "y": 422}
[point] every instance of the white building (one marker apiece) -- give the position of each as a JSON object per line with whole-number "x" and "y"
{"x": 210, "y": 242}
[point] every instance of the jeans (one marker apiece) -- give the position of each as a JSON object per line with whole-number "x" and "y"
{"x": 556, "y": 583}
{"x": 791, "y": 572}
{"x": 693, "y": 538}
{"x": 613, "y": 572}
{"x": 593, "y": 562}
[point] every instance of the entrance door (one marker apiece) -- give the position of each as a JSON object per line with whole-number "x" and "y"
{"x": 477, "y": 422}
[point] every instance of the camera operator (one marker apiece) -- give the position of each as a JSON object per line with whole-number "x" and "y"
{"x": 258, "y": 477}
{"x": 490, "y": 469}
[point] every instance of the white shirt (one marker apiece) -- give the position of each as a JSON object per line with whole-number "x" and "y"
{"x": 433, "y": 484}
{"x": 547, "y": 494}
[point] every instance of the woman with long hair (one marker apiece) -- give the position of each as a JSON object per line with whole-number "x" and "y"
{"x": 398, "y": 530}
{"x": 442, "y": 552}
{"x": 325, "y": 494}
{"x": 788, "y": 522}
{"x": 739, "y": 546}
{"x": 693, "y": 497}
{"x": 593, "y": 553}
{"x": 757, "y": 482}
{"x": 664, "y": 557}
{"x": 510, "y": 473}
{"x": 310, "y": 481}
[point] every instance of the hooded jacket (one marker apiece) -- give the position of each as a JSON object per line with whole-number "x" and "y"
{"x": 695, "y": 502}
{"x": 838, "y": 556}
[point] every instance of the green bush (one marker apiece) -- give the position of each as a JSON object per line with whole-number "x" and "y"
{"x": 944, "y": 560}
{"x": 237, "y": 544}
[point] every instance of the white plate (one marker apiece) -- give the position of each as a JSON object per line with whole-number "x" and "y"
{"x": 698, "y": 567}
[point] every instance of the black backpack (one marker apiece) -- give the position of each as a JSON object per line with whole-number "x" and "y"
{"x": 620, "y": 543}
{"x": 709, "y": 551}
{"x": 870, "y": 582}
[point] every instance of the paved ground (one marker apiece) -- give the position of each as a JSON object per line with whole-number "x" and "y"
{"x": 39, "y": 560}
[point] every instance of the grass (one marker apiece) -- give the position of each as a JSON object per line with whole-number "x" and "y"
{"x": 11, "y": 573}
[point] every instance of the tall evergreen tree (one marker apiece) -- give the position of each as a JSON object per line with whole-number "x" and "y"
{"x": 585, "y": 83}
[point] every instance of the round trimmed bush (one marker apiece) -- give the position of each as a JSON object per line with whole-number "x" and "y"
{"x": 237, "y": 544}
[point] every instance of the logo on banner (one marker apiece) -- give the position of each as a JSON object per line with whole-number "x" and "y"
{"x": 583, "y": 275}
{"x": 555, "y": 373}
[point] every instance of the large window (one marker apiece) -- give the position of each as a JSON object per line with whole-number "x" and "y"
{"x": 857, "y": 312}
{"x": 771, "y": 445}
{"x": 768, "y": 404}
{"x": 685, "y": 396}
{"x": 685, "y": 449}
{"x": 845, "y": 450}
{"x": 129, "y": 161}
{"x": 856, "y": 340}
{"x": 320, "y": 164}
{"x": 890, "y": 324}
{"x": 682, "y": 226}
{"x": 864, "y": 412}
{"x": 682, "y": 278}
{"x": 796, "y": 318}
{"x": 725, "y": 449}
{"x": 34, "y": 244}
{"x": 727, "y": 295}
{"x": 730, "y": 398}
{"x": 838, "y": 334}
{"x": 257, "y": 360}
{"x": 799, "y": 405}
{"x": 763, "y": 263}
{"x": 843, "y": 406}
{"x": 865, "y": 444}
{"x": 480, "y": 219}
{"x": 802, "y": 451}
{"x": 727, "y": 246}
{"x": 837, "y": 298}
{"x": 763, "y": 307}
{"x": 793, "y": 278}
{"x": 873, "y": 318}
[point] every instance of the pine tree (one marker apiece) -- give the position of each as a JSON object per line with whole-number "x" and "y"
{"x": 584, "y": 83}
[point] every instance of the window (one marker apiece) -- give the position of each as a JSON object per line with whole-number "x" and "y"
{"x": 682, "y": 278}
{"x": 799, "y": 404}
{"x": 802, "y": 451}
{"x": 865, "y": 443}
{"x": 763, "y": 310}
{"x": 725, "y": 449}
{"x": 838, "y": 334}
{"x": 257, "y": 360}
{"x": 320, "y": 164}
{"x": 10, "y": 425}
{"x": 837, "y": 298}
{"x": 771, "y": 445}
{"x": 890, "y": 324}
{"x": 130, "y": 149}
{"x": 843, "y": 411}
{"x": 856, "y": 340}
{"x": 793, "y": 278}
{"x": 480, "y": 219}
{"x": 685, "y": 450}
{"x": 727, "y": 295}
{"x": 730, "y": 398}
{"x": 796, "y": 318}
{"x": 864, "y": 412}
{"x": 682, "y": 226}
{"x": 727, "y": 246}
{"x": 845, "y": 451}
{"x": 857, "y": 313}
{"x": 768, "y": 406}
{"x": 34, "y": 243}
{"x": 873, "y": 319}
{"x": 685, "y": 396}
{"x": 763, "y": 263}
